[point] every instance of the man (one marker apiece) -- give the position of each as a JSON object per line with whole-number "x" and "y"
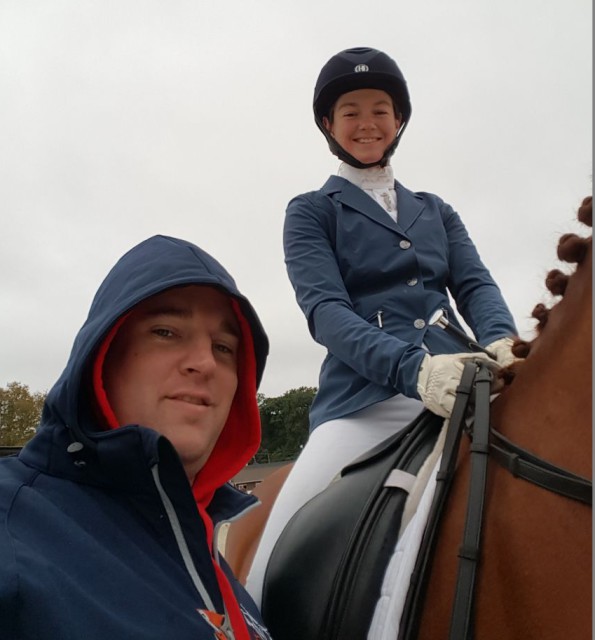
{"x": 109, "y": 515}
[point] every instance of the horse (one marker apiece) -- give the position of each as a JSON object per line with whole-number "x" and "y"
{"x": 535, "y": 574}
{"x": 534, "y": 578}
{"x": 243, "y": 536}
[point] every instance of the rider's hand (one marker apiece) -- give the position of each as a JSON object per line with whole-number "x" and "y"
{"x": 439, "y": 377}
{"x": 502, "y": 349}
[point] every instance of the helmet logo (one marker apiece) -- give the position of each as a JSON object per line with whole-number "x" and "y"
{"x": 361, "y": 67}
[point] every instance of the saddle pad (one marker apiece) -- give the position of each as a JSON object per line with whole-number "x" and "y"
{"x": 389, "y": 608}
{"x": 325, "y": 573}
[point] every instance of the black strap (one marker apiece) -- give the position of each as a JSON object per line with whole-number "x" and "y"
{"x": 523, "y": 464}
{"x": 462, "y": 612}
{"x": 413, "y": 608}
{"x": 452, "y": 441}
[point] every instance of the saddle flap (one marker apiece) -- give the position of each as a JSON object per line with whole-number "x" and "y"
{"x": 325, "y": 572}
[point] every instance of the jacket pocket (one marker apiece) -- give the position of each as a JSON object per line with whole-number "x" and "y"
{"x": 377, "y": 318}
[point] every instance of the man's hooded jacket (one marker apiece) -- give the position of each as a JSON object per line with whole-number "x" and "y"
{"x": 101, "y": 534}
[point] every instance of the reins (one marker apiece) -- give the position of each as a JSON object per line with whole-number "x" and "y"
{"x": 518, "y": 461}
{"x": 523, "y": 464}
{"x": 413, "y": 608}
{"x": 461, "y": 622}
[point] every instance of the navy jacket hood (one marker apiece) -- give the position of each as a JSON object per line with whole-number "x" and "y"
{"x": 158, "y": 263}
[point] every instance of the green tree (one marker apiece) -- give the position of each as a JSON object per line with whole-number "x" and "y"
{"x": 285, "y": 424}
{"x": 20, "y": 411}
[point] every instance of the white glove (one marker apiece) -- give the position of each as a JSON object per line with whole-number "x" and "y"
{"x": 502, "y": 350}
{"x": 439, "y": 377}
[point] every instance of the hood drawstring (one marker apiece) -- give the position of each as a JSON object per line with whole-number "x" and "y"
{"x": 232, "y": 608}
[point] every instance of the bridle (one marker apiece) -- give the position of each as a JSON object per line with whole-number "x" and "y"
{"x": 475, "y": 382}
{"x": 523, "y": 464}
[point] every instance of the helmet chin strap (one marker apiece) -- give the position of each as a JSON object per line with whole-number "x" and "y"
{"x": 343, "y": 155}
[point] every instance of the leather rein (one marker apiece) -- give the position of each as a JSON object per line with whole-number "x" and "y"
{"x": 519, "y": 462}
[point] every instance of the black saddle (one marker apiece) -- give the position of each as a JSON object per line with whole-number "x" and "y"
{"x": 326, "y": 571}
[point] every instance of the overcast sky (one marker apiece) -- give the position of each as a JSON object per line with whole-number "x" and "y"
{"x": 120, "y": 119}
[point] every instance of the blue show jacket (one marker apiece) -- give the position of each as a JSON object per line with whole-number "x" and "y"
{"x": 100, "y": 534}
{"x": 368, "y": 286}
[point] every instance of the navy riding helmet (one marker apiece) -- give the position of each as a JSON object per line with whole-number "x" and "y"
{"x": 360, "y": 68}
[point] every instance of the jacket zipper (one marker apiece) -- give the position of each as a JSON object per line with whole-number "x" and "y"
{"x": 186, "y": 557}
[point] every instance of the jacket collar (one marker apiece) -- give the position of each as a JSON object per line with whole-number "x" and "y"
{"x": 122, "y": 462}
{"x": 409, "y": 204}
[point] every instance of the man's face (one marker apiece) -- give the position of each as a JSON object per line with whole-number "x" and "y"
{"x": 173, "y": 367}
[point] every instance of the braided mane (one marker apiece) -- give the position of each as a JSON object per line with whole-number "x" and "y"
{"x": 573, "y": 249}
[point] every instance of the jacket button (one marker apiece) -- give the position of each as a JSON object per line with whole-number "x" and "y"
{"x": 404, "y": 244}
{"x": 412, "y": 282}
{"x": 419, "y": 323}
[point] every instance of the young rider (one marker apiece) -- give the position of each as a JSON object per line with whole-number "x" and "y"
{"x": 370, "y": 262}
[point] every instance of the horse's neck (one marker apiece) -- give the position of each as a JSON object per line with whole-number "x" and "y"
{"x": 548, "y": 406}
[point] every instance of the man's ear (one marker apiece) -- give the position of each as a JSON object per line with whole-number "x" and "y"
{"x": 328, "y": 125}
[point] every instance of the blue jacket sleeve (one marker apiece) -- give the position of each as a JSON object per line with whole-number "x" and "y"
{"x": 477, "y": 296}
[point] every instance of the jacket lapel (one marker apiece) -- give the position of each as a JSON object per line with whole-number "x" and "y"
{"x": 408, "y": 205}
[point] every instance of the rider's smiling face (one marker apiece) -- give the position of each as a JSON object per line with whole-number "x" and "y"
{"x": 364, "y": 123}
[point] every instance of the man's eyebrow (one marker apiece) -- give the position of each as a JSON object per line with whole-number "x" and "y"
{"x": 227, "y": 326}
{"x": 169, "y": 310}
{"x": 231, "y": 328}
